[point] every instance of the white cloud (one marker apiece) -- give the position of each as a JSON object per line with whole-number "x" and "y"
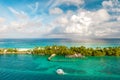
{"x": 20, "y": 14}
{"x": 83, "y": 23}
{"x": 2, "y": 20}
{"x": 107, "y": 32}
{"x": 68, "y": 2}
{"x": 102, "y": 15}
{"x": 118, "y": 18}
{"x": 56, "y": 10}
{"x": 34, "y": 7}
{"x": 111, "y": 4}
{"x": 113, "y": 7}
{"x": 107, "y": 3}
{"x": 3, "y": 28}
{"x": 103, "y": 22}
{"x": 24, "y": 24}
{"x": 27, "y": 26}
{"x": 17, "y": 29}
{"x": 75, "y": 2}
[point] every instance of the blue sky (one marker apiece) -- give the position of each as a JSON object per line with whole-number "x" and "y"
{"x": 59, "y": 18}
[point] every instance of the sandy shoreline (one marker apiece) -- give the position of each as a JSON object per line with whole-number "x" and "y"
{"x": 18, "y": 51}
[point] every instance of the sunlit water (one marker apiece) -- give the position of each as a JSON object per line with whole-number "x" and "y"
{"x": 31, "y": 43}
{"x": 35, "y": 67}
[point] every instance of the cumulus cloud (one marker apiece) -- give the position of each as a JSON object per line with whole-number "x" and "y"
{"x": 113, "y": 7}
{"x": 55, "y": 11}
{"x": 107, "y": 3}
{"x": 103, "y": 22}
{"x": 81, "y": 23}
{"x": 56, "y": 22}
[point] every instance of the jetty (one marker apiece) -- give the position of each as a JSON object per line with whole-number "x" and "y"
{"x": 51, "y": 56}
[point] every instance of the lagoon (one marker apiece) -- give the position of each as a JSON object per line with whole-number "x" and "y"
{"x": 36, "y": 67}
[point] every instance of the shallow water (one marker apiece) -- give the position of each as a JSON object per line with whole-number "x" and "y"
{"x": 35, "y": 67}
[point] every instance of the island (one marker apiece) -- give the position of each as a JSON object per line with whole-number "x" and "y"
{"x": 81, "y": 51}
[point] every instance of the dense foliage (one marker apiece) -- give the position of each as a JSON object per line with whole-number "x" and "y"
{"x": 11, "y": 50}
{"x": 63, "y": 50}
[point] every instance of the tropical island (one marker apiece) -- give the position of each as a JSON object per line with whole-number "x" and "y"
{"x": 65, "y": 51}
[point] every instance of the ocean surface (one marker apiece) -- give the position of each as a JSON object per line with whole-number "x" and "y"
{"x": 31, "y": 43}
{"x": 35, "y": 67}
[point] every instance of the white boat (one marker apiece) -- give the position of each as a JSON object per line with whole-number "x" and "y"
{"x": 60, "y": 71}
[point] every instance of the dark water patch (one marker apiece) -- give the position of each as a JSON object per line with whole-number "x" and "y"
{"x": 15, "y": 76}
{"x": 112, "y": 71}
{"x": 72, "y": 71}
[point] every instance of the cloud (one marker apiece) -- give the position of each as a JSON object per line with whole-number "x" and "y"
{"x": 81, "y": 23}
{"x": 118, "y": 18}
{"x": 2, "y": 20}
{"x": 18, "y": 29}
{"x": 107, "y": 3}
{"x": 102, "y": 15}
{"x": 3, "y": 28}
{"x": 25, "y": 24}
{"x": 54, "y": 21}
{"x": 113, "y": 7}
{"x": 67, "y": 2}
{"x": 20, "y": 14}
{"x": 56, "y": 10}
{"x": 34, "y": 7}
{"x": 73, "y": 2}
{"x": 103, "y": 22}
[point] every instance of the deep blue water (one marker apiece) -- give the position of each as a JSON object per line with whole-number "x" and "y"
{"x": 31, "y": 43}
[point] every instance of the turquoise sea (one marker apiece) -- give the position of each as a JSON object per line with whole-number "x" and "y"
{"x": 36, "y": 67}
{"x": 31, "y": 43}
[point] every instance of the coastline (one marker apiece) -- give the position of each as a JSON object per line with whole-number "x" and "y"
{"x": 15, "y": 50}
{"x": 64, "y": 51}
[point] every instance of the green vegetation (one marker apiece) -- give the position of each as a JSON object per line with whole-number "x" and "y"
{"x": 11, "y": 50}
{"x": 1, "y": 50}
{"x": 59, "y": 50}
{"x": 63, "y": 50}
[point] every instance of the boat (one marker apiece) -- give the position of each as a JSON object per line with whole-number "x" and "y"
{"x": 60, "y": 72}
